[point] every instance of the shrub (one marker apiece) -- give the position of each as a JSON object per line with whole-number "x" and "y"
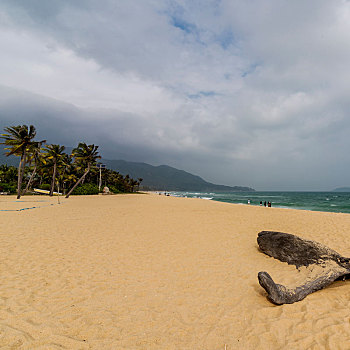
{"x": 114, "y": 189}
{"x": 86, "y": 189}
{"x": 45, "y": 187}
{"x": 5, "y": 187}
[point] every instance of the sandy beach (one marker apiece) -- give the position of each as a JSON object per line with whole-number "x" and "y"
{"x": 144, "y": 271}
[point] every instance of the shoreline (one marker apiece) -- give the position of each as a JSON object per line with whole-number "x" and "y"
{"x": 155, "y": 272}
{"x": 53, "y": 200}
{"x": 334, "y": 208}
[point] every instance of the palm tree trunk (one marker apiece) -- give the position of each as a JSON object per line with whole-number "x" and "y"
{"x": 19, "y": 179}
{"x": 78, "y": 182}
{"x": 53, "y": 179}
{"x": 30, "y": 180}
{"x": 20, "y": 175}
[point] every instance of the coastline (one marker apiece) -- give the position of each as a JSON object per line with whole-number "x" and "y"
{"x": 334, "y": 202}
{"x": 145, "y": 271}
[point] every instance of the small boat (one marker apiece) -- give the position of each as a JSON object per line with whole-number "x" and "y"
{"x": 38, "y": 190}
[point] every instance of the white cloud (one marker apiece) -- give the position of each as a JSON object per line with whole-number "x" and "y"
{"x": 244, "y": 85}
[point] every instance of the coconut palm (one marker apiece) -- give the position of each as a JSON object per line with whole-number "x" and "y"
{"x": 132, "y": 184}
{"x": 55, "y": 155}
{"x": 7, "y": 173}
{"x": 43, "y": 170}
{"x": 85, "y": 156}
{"x": 19, "y": 139}
{"x": 67, "y": 174}
{"x": 139, "y": 180}
{"x": 34, "y": 157}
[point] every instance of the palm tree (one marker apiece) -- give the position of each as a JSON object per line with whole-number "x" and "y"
{"x": 18, "y": 139}
{"x": 7, "y": 173}
{"x": 43, "y": 171}
{"x": 55, "y": 154}
{"x": 139, "y": 180}
{"x": 34, "y": 152}
{"x": 133, "y": 183}
{"x": 65, "y": 171}
{"x": 67, "y": 175}
{"x": 85, "y": 156}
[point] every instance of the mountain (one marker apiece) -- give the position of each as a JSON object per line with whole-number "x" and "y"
{"x": 161, "y": 177}
{"x": 342, "y": 189}
{"x": 164, "y": 177}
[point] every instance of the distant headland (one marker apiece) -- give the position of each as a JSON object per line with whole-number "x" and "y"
{"x": 342, "y": 189}
{"x": 164, "y": 177}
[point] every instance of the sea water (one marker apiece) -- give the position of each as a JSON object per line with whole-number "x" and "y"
{"x": 337, "y": 202}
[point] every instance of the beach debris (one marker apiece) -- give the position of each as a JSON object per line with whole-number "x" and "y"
{"x": 294, "y": 250}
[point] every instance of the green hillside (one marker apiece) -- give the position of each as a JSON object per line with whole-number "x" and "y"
{"x": 164, "y": 177}
{"x": 161, "y": 177}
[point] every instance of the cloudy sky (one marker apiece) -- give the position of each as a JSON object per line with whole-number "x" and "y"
{"x": 251, "y": 93}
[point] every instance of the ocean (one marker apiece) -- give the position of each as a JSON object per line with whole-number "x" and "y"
{"x": 337, "y": 202}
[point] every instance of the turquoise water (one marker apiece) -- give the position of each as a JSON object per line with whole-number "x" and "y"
{"x": 337, "y": 202}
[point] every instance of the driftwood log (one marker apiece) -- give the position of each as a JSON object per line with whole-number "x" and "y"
{"x": 299, "y": 252}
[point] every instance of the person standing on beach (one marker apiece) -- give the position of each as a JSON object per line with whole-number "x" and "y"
{"x": 248, "y": 201}
{"x": 265, "y": 204}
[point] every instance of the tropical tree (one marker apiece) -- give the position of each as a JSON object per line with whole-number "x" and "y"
{"x": 85, "y": 156}
{"x": 66, "y": 173}
{"x": 139, "y": 180}
{"x": 34, "y": 157}
{"x": 43, "y": 171}
{"x": 55, "y": 155}
{"x": 132, "y": 184}
{"x": 19, "y": 139}
{"x": 8, "y": 173}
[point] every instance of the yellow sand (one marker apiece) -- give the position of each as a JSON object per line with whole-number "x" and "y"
{"x": 145, "y": 271}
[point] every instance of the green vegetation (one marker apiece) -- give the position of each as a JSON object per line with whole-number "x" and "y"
{"x": 49, "y": 167}
{"x": 85, "y": 157}
{"x": 19, "y": 142}
{"x": 86, "y": 189}
{"x": 167, "y": 178}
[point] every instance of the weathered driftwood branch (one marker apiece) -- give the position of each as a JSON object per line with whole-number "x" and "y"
{"x": 299, "y": 252}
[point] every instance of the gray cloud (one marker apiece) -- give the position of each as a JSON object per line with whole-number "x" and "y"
{"x": 242, "y": 93}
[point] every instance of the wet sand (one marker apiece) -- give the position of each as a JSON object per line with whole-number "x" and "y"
{"x": 144, "y": 271}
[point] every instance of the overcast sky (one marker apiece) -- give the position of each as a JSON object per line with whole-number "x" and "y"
{"x": 250, "y": 93}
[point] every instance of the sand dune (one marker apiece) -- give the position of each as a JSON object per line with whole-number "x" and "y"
{"x": 144, "y": 271}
